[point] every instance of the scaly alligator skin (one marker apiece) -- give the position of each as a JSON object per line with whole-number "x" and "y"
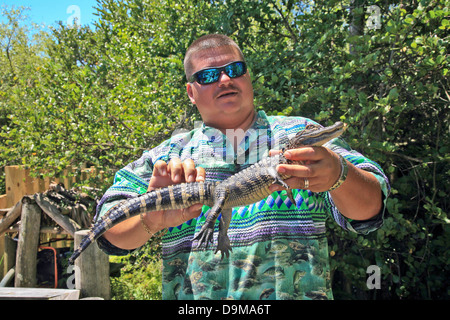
{"x": 243, "y": 188}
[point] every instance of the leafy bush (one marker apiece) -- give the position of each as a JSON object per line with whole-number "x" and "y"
{"x": 141, "y": 277}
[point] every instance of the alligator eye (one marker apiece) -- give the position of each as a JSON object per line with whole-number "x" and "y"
{"x": 311, "y": 127}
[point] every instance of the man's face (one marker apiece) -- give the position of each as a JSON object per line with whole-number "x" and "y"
{"x": 227, "y": 103}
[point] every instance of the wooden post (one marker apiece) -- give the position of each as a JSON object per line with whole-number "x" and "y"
{"x": 10, "y": 217}
{"x": 3, "y": 201}
{"x": 64, "y": 221}
{"x": 92, "y": 270}
{"x": 9, "y": 255}
{"x": 28, "y": 244}
{"x": 19, "y": 183}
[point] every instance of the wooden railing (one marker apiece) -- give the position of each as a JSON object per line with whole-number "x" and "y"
{"x": 19, "y": 182}
{"x": 23, "y": 199}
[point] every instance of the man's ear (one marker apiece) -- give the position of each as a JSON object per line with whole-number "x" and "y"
{"x": 190, "y": 92}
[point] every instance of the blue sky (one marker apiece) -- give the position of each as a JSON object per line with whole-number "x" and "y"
{"x": 49, "y": 11}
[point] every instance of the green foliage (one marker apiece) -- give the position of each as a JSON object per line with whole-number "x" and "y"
{"x": 101, "y": 96}
{"x": 22, "y": 54}
{"x": 141, "y": 277}
{"x": 396, "y": 102}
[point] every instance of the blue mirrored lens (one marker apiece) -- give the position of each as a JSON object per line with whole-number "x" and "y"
{"x": 233, "y": 70}
{"x": 208, "y": 76}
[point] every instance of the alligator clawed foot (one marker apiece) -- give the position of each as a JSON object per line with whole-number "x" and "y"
{"x": 204, "y": 237}
{"x": 224, "y": 246}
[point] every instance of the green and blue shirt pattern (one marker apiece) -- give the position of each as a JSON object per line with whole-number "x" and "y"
{"x": 279, "y": 248}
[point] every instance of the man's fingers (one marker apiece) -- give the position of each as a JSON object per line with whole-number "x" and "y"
{"x": 305, "y": 153}
{"x": 294, "y": 183}
{"x": 175, "y": 169}
{"x": 183, "y": 171}
{"x": 160, "y": 177}
{"x": 201, "y": 174}
{"x": 296, "y": 170}
{"x": 160, "y": 168}
{"x": 189, "y": 170}
{"x": 274, "y": 152}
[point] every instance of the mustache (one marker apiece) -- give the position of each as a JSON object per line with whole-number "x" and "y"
{"x": 230, "y": 88}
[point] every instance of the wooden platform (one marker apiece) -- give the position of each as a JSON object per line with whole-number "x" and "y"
{"x": 38, "y": 294}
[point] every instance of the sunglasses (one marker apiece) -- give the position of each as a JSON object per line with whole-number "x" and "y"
{"x": 211, "y": 75}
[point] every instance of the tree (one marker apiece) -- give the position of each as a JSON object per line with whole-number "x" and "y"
{"x": 22, "y": 54}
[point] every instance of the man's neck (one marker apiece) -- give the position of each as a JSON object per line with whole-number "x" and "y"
{"x": 236, "y": 134}
{"x": 243, "y": 123}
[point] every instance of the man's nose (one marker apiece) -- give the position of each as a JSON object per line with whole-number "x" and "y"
{"x": 224, "y": 77}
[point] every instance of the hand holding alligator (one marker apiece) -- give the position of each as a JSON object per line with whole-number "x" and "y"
{"x": 320, "y": 169}
{"x": 165, "y": 174}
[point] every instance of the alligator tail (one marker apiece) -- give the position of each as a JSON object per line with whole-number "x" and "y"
{"x": 172, "y": 197}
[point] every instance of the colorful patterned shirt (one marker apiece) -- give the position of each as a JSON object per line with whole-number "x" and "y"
{"x": 279, "y": 248}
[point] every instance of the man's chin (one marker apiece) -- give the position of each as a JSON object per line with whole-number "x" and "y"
{"x": 229, "y": 107}
{"x": 232, "y": 101}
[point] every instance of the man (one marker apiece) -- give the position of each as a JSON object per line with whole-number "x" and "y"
{"x": 279, "y": 248}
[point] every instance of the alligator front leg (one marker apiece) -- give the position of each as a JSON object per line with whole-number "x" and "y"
{"x": 277, "y": 179}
